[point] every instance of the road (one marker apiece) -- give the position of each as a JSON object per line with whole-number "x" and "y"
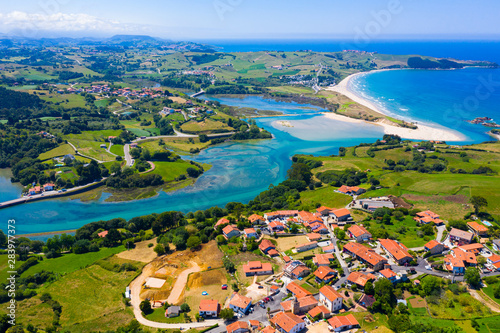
{"x": 128, "y": 159}
{"x": 77, "y": 153}
{"x": 180, "y": 283}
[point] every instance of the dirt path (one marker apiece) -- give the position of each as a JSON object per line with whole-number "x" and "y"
{"x": 483, "y": 298}
{"x": 180, "y": 283}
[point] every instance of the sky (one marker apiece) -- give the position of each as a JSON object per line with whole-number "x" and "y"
{"x": 243, "y": 19}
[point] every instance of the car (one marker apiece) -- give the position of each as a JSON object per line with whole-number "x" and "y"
{"x": 262, "y": 305}
{"x": 261, "y": 287}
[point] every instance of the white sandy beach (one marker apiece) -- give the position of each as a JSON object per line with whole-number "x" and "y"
{"x": 423, "y": 132}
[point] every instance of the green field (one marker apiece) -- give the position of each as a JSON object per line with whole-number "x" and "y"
{"x": 408, "y": 237}
{"x": 71, "y": 262}
{"x": 56, "y": 152}
{"x": 206, "y": 126}
{"x": 176, "y": 144}
{"x": 171, "y": 170}
{"x": 88, "y": 143}
{"x": 117, "y": 149}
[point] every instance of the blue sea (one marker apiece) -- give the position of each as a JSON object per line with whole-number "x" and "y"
{"x": 242, "y": 170}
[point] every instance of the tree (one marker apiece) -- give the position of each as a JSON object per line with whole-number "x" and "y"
{"x": 369, "y": 290}
{"x": 3, "y": 239}
{"x": 159, "y": 249}
{"x": 185, "y": 307}
{"x": 478, "y": 202}
{"x": 145, "y": 307}
{"x": 193, "y": 242}
{"x": 472, "y": 277}
{"x": 496, "y": 292}
{"x": 226, "y": 314}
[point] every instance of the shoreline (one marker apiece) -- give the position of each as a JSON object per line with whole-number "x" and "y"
{"x": 47, "y": 233}
{"x": 423, "y": 132}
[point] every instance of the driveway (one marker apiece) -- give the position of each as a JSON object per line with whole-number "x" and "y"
{"x": 180, "y": 283}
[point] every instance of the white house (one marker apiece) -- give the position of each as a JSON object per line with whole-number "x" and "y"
{"x": 330, "y": 298}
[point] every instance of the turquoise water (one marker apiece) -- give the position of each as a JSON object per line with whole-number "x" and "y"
{"x": 242, "y": 170}
{"x": 444, "y": 98}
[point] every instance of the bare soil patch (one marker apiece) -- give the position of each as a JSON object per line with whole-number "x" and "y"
{"x": 418, "y": 302}
{"x": 141, "y": 252}
{"x": 459, "y": 199}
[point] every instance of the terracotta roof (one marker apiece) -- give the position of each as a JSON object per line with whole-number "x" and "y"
{"x": 236, "y": 325}
{"x": 273, "y": 252}
{"x": 297, "y": 290}
{"x": 323, "y": 271}
{"x": 266, "y": 243}
{"x": 477, "y": 227}
{"x": 250, "y": 231}
{"x": 254, "y": 217}
{"x": 240, "y": 301}
{"x": 428, "y": 213}
{"x": 103, "y": 233}
{"x": 297, "y": 271}
{"x": 432, "y": 244}
{"x": 339, "y": 321}
{"x": 257, "y": 267}
{"x": 229, "y": 228}
{"x": 461, "y": 234}
{"x": 472, "y": 247}
{"x": 317, "y": 310}
{"x": 364, "y": 253}
{"x": 341, "y": 212}
{"x": 209, "y": 305}
{"x": 313, "y": 236}
{"x": 388, "y": 273}
{"x": 306, "y": 244}
{"x": 360, "y": 278}
{"x": 254, "y": 323}
{"x": 323, "y": 258}
{"x": 323, "y": 208}
{"x": 329, "y": 247}
{"x": 268, "y": 329}
{"x": 286, "y": 259}
{"x": 494, "y": 258}
{"x": 347, "y": 189}
{"x": 275, "y": 224}
{"x": 307, "y": 217}
{"x": 286, "y": 320}
{"x": 221, "y": 221}
{"x": 358, "y": 230}
{"x": 330, "y": 293}
{"x": 396, "y": 249}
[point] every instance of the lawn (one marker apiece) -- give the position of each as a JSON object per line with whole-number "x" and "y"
{"x": 326, "y": 197}
{"x": 158, "y": 315}
{"x": 56, "y": 152}
{"x": 177, "y": 144}
{"x": 461, "y": 306}
{"x": 404, "y": 231}
{"x": 287, "y": 243}
{"x": 88, "y": 143}
{"x": 71, "y": 262}
{"x": 171, "y": 170}
{"x": 117, "y": 149}
{"x": 491, "y": 284}
{"x": 206, "y": 126}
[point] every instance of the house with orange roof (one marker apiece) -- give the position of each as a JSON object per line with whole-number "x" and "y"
{"x": 256, "y": 219}
{"x": 365, "y": 255}
{"x": 238, "y": 327}
{"x": 297, "y": 291}
{"x": 49, "y": 187}
{"x": 268, "y": 329}
{"x": 266, "y": 245}
{"x": 434, "y": 247}
{"x": 209, "y": 308}
{"x": 250, "y": 233}
{"x": 359, "y": 233}
{"x": 388, "y": 274}
{"x": 360, "y": 279}
{"x": 222, "y": 221}
{"x": 341, "y": 215}
{"x": 299, "y": 305}
{"x": 324, "y": 274}
{"x": 286, "y": 259}
{"x": 323, "y": 210}
{"x": 287, "y": 322}
{"x": 320, "y": 312}
{"x": 478, "y": 229}
{"x": 472, "y": 248}
{"x": 330, "y": 298}
{"x": 313, "y": 237}
{"x": 494, "y": 261}
{"x": 240, "y": 304}
{"x": 257, "y": 268}
{"x": 341, "y": 323}
{"x": 230, "y": 231}
{"x": 329, "y": 248}
{"x": 319, "y": 228}
{"x": 458, "y": 260}
{"x": 306, "y": 218}
{"x": 306, "y": 246}
{"x": 276, "y": 226}
{"x": 103, "y": 234}
{"x": 396, "y": 250}
{"x": 254, "y": 324}
{"x": 323, "y": 259}
{"x": 351, "y": 190}
{"x": 35, "y": 190}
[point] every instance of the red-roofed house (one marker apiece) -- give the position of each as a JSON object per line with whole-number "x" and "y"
{"x": 325, "y": 211}
{"x": 324, "y": 274}
{"x": 359, "y": 233}
{"x": 477, "y": 229}
{"x": 297, "y": 291}
{"x": 276, "y": 226}
{"x": 222, "y": 221}
{"x": 341, "y": 323}
{"x": 250, "y": 232}
{"x": 256, "y": 219}
{"x": 239, "y": 303}
{"x": 388, "y": 274}
{"x": 366, "y": 255}
{"x": 257, "y": 268}
{"x": 238, "y": 327}
{"x": 351, "y": 190}
{"x": 230, "y": 231}
{"x": 360, "y": 279}
{"x": 287, "y": 322}
{"x": 494, "y": 261}
{"x": 319, "y": 312}
{"x": 209, "y": 308}
{"x": 49, "y": 187}
{"x": 306, "y": 246}
{"x": 266, "y": 245}
{"x": 323, "y": 259}
{"x": 434, "y": 247}
{"x": 330, "y": 298}
{"x": 396, "y": 250}
{"x": 313, "y": 237}
{"x": 341, "y": 215}
{"x": 103, "y": 234}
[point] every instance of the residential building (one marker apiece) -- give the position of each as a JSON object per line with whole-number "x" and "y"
{"x": 276, "y": 226}
{"x": 360, "y": 279}
{"x": 172, "y": 311}
{"x": 250, "y": 232}
{"x": 323, "y": 259}
{"x": 273, "y": 253}
{"x": 428, "y": 216}
{"x": 477, "y": 229}
{"x": 494, "y": 261}
{"x": 325, "y": 211}
{"x": 280, "y": 214}
{"x": 238, "y": 327}
{"x": 313, "y": 237}
{"x": 230, "y": 231}
{"x": 388, "y": 274}
{"x": 254, "y": 324}
{"x": 351, "y": 190}
{"x": 299, "y": 305}
{"x": 103, "y": 234}
{"x": 256, "y": 219}
{"x": 329, "y": 248}
{"x": 297, "y": 291}
{"x": 330, "y": 298}
{"x": 222, "y": 221}
{"x": 396, "y": 250}
{"x": 307, "y": 218}
{"x": 366, "y": 255}
{"x": 324, "y": 274}
{"x": 240, "y": 304}
{"x": 359, "y": 233}
{"x": 320, "y": 312}
{"x": 287, "y": 322}
{"x": 434, "y": 247}
{"x": 496, "y": 244}
{"x": 257, "y": 268}
{"x": 266, "y": 245}
{"x": 474, "y": 248}
{"x": 306, "y": 246}
{"x": 341, "y": 323}
{"x": 458, "y": 260}
{"x": 209, "y": 308}
{"x": 49, "y": 187}
{"x": 460, "y": 236}
{"x": 341, "y": 215}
